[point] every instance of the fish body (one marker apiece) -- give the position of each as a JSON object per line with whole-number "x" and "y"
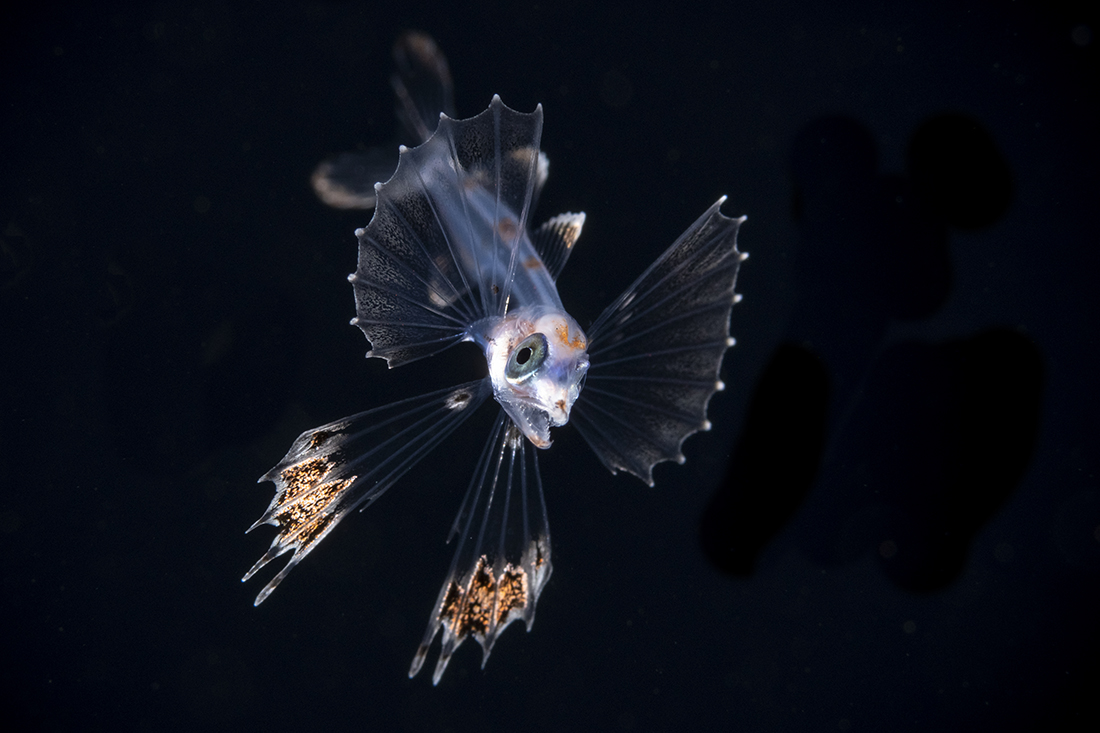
{"x": 449, "y": 256}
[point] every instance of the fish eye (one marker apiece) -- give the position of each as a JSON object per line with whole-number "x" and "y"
{"x": 526, "y": 358}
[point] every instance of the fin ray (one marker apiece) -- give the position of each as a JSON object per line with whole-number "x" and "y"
{"x": 657, "y": 350}
{"x": 502, "y": 554}
{"x": 331, "y": 470}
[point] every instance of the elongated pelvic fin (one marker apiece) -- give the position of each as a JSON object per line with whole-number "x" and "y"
{"x": 333, "y": 469}
{"x": 656, "y": 351}
{"x": 502, "y": 554}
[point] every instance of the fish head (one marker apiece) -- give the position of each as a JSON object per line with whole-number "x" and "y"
{"x": 537, "y": 359}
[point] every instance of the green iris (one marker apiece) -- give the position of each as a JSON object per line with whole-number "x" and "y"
{"x": 526, "y": 358}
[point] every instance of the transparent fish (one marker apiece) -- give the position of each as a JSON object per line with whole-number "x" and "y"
{"x": 449, "y": 256}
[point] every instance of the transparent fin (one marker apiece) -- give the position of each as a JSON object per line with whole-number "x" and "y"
{"x": 422, "y": 84}
{"x": 440, "y": 252}
{"x": 502, "y": 555}
{"x": 493, "y": 163}
{"x": 423, "y": 87}
{"x": 347, "y": 180}
{"x": 554, "y": 241}
{"x": 333, "y": 469}
{"x": 656, "y": 351}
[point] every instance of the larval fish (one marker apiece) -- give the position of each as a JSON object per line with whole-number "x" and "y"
{"x": 449, "y": 256}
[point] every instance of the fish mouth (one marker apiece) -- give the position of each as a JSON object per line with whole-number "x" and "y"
{"x": 533, "y": 421}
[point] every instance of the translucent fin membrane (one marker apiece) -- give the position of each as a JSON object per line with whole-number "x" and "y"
{"x": 656, "y": 351}
{"x": 346, "y": 181}
{"x": 443, "y": 245}
{"x": 502, "y": 556}
{"x": 422, "y": 84}
{"x": 423, "y": 87}
{"x": 554, "y": 240}
{"x": 333, "y": 469}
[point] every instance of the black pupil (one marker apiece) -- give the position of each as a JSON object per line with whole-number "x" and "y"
{"x": 523, "y": 355}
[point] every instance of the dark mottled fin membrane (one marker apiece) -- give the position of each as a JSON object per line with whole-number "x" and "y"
{"x": 554, "y": 241}
{"x": 502, "y": 553}
{"x": 430, "y": 261}
{"x": 657, "y": 350}
{"x": 348, "y": 464}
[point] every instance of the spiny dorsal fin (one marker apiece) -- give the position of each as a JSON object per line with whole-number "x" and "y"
{"x": 554, "y": 240}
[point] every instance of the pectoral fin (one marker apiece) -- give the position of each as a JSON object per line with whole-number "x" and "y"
{"x": 656, "y": 351}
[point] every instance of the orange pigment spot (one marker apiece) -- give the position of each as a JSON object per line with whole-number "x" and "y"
{"x": 562, "y": 332}
{"x": 508, "y": 228}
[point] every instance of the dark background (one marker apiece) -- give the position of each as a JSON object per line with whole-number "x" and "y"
{"x": 895, "y": 524}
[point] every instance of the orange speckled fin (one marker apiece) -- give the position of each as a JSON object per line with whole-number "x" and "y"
{"x": 348, "y": 464}
{"x": 502, "y": 556}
